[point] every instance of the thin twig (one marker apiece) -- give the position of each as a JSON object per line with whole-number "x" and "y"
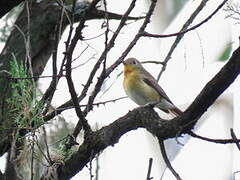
{"x": 68, "y": 105}
{"x": 28, "y": 60}
{"x": 135, "y": 39}
{"x": 106, "y": 35}
{"x": 90, "y": 166}
{"x": 181, "y": 32}
{"x": 184, "y": 30}
{"x": 97, "y": 167}
{"x": 41, "y": 151}
{"x": 46, "y": 144}
{"x": 165, "y": 158}
{"x": 219, "y": 141}
{"x": 32, "y": 159}
{"x": 83, "y": 94}
{"x": 48, "y": 95}
{"x": 101, "y": 58}
{"x": 149, "y": 169}
{"x": 82, "y": 122}
{"x": 152, "y": 62}
{"x": 32, "y": 77}
{"x": 235, "y": 138}
{"x": 124, "y": 54}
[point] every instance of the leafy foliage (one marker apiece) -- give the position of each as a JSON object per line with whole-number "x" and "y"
{"x": 24, "y": 107}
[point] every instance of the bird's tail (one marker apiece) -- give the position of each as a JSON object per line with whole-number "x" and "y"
{"x": 169, "y": 107}
{"x": 176, "y": 111}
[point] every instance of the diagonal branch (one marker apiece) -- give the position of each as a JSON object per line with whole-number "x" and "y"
{"x": 165, "y": 158}
{"x": 146, "y": 34}
{"x": 184, "y": 28}
{"x": 149, "y": 169}
{"x": 146, "y": 117}
{"x": 97, "y": 14}
{"x": 109, "y": 45}
{"x": 120, "y": 59}
{"x": 82, "y": 122}
{"x": 214, "y": 88}
{"x": 235, "y": 138}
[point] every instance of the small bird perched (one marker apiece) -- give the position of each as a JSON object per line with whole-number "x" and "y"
{"x": 142, "y": 87}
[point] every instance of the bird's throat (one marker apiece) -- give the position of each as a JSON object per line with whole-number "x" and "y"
{"x": 129, "y": 70}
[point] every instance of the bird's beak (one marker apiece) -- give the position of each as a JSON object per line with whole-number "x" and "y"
{"x": 124, "y": 63}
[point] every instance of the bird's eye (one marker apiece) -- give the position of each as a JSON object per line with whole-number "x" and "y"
{"x": 134, "y": 62}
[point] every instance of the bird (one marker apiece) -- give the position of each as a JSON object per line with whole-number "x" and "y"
{"x": 142, "y": 88}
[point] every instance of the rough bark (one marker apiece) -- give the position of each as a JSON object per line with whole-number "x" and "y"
{"x": 146, "y": 117}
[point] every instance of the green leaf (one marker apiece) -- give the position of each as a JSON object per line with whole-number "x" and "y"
{"x": 226, "y": 54}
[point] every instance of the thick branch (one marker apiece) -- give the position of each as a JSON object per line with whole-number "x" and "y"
{"x": 213, "y": 89}
{"x": 108, "y": 136}
{"x": 146, "y": 117}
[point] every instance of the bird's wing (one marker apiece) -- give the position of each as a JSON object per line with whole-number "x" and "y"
{"x": 149, "y": 79}
{"x": 153, "y": 83}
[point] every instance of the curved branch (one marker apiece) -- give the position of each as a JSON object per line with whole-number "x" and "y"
{"x": 219, "y": 141}
{"x": 167, "y": 162}
{"x": 146, "y": 117}
{"x": 182, "y": 31}
{"x": 185, "y": 26}
{"x": 213, "y": 89}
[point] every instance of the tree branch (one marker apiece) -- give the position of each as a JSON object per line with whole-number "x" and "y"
{"x": 124, "y": 54}
{"x": 184, "y": 29}
{"x": 219, "y": 141}
{"x": 165, "y": 158}
{"x": 214, "y": 88}
{"x": 147, "y": 34}
{"x": 235, "y": 138}
{"x": 149, "y": 169}
{"x": 146, "y": 117}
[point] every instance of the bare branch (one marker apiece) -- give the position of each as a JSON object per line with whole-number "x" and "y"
{"x": 185, "y": 30}
{"x": 235, "y": 138}
{"x": 146, "y": 117}
{"x": 149, "y": 169}
{"x": 68, "y": 105}
{"x": 219, "y": 141}
{"x": 124, "y": 54}
{"x": 166, "y": 160}
{"x": 32, "y": 77}
{"x": 97, "y": 65}
{"x": 82, "y": 122}
{"x": 182, "y": 31}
